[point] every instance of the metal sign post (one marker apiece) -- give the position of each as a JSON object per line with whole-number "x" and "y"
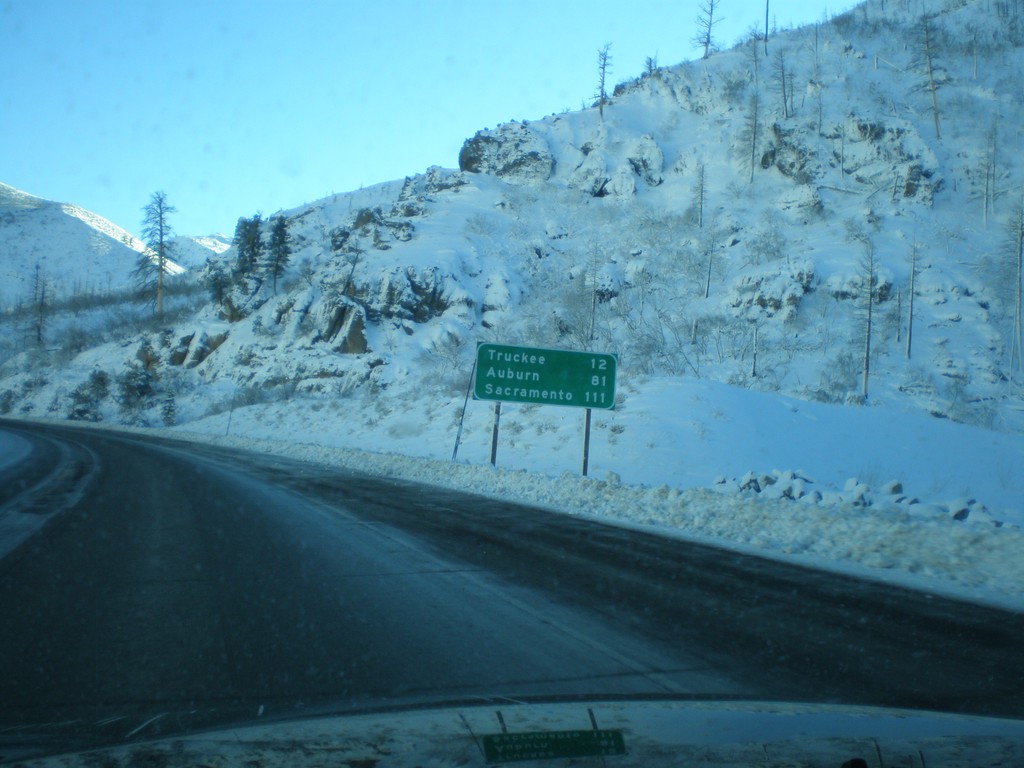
{"x": 586, "y": 443}
{"x": 494, "y": 434}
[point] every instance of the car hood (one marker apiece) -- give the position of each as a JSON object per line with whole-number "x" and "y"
{"x": 649, "y": 733}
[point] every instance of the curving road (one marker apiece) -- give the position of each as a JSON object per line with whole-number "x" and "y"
{"x": 172, "y": 586}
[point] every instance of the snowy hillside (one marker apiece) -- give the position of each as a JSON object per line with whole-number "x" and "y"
{"x": 76, "y": 250}
{"x": 725, "y": 226}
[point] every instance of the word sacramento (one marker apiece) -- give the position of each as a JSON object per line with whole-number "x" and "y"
{"x": 530, "y": 393}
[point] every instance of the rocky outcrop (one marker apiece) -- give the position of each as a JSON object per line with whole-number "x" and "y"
{"x": 512, "y": 152}
{"x": 345, "y": 327}
{"x": 616, "y": 171}
{"x": 206, "y": 345}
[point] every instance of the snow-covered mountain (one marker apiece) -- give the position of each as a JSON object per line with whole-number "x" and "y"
{"x": 723, "y": 220}
{"x": 194, "y": 252}
{"x": 75, "y": 250}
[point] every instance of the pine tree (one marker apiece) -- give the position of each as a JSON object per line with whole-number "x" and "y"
{"x": 279, "y": 250}
{"x": 154, "y": 262}
{"x": 249, "y": 242}
{"x": 218, "y": 283}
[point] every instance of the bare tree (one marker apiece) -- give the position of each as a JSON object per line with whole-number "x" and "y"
{"x": 750, "y": 131}
{"x": 699, "y": 194}
{"x": 577, "y": 316}
{"x": 929, "y": 66}
{"x": 783, "y": 79}
{"x": 751, "y": 128}
{"x": 708, "y": 246}
{"x": 40, "y": 303}
{"x": 1015, "y": 243}
{"x": 989, "y": 160}
{"x": 914, "y": 250}
{"x": 815, "y": 82}
{"x": 604, "y": 61}
{"x": 765, "y": 27}
{"x": 154, "y": 261}
{"x": 869, "y": 276}
{"x": 869, "y": 267}
{"x": 705, "y": 25}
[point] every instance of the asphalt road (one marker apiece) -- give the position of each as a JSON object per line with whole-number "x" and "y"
{"x": 187, "y": 586}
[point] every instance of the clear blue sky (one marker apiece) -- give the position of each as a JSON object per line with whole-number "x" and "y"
{"x": 238, "y": 106}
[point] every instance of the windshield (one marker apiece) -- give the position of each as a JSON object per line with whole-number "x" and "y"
{"x": 368, "y": 360}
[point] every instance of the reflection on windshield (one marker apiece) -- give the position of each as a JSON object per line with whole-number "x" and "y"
{"x": 703, "y": 393}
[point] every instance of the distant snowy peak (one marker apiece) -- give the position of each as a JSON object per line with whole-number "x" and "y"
{"x": 194, "y": 252}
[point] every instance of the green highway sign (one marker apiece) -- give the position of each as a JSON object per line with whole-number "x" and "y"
{"x": 544, "y": 376}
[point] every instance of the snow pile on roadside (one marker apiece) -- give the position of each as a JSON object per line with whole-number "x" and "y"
{"x": 855, "y": 493}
